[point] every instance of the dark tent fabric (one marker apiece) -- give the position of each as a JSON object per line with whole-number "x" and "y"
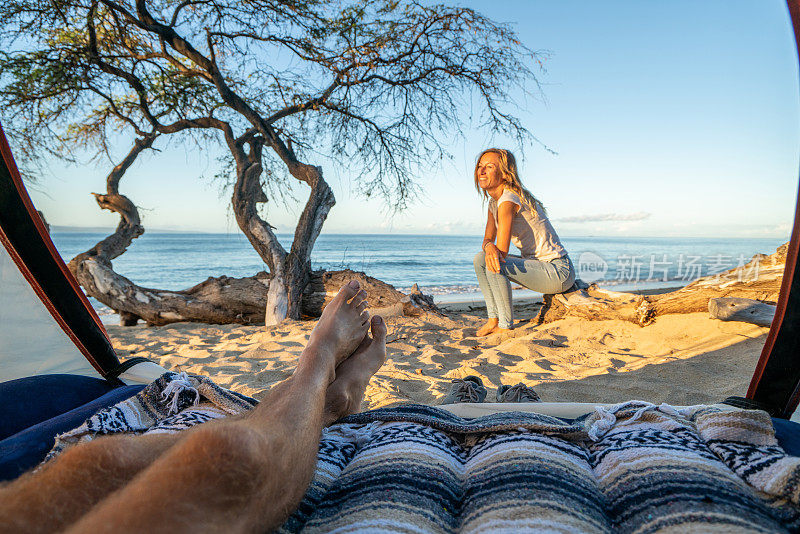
{"x": 27, "y": 242}
{"x": 47, "y": 328}
{"x": 775, "y": 386}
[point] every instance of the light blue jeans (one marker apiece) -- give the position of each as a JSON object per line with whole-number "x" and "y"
{"x": 547, "y": 277}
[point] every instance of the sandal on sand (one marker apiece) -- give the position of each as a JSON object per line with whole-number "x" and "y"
{"x": 518, "y": 393}
{"x": 468, "y": 389}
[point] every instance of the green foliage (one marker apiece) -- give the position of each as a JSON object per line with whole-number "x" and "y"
{"x": 376, "y": 85}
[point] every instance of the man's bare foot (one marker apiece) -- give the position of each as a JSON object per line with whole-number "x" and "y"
{"x": 486, "y": 329}
{"x": 342, "y": 326}
{"x": 345, "y": 394}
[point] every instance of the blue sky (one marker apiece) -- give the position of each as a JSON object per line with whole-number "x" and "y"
{"x": 674, "y": 118}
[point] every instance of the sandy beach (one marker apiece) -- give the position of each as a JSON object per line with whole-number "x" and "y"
{"x": 679, "y": 359}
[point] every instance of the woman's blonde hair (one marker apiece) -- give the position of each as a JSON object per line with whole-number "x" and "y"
{"x": 508, "y": 169}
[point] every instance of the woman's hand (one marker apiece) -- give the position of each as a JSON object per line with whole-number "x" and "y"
{"x": 494, "y": 257}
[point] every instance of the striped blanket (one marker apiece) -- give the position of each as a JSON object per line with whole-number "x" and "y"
{"x": 634, "y": 467}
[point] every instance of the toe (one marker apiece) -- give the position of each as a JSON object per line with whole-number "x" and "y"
{"x": 349, "y": 290}
{"x": 378, "y": 327}
{"x": 359, "y": 298}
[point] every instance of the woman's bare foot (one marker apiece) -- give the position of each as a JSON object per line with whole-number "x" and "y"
{"x": 487, "y": 329}
{"x": 498, "y": 330}
{"x": 345, "y": 394}
{"x": 340, "y": 329}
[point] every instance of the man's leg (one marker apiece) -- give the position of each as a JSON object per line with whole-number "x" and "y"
{"x": 345, "y": 394}
{"x": 248, "y": 474}
{"x": 66, "y": 489}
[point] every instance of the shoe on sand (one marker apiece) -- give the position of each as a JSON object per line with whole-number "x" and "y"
{"x": 468, "y": 389}
{"x": 518, "y": 393}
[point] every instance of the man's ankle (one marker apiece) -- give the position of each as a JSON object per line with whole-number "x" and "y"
{"x": 316, "y": 362}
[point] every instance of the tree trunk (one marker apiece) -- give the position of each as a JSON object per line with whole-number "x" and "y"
{"x": 93, "y": 268}
{"x": 247, "y": 194}
{"x": 290, "y": 272}
{"x": 276, "y": 306}
{"x": 298, "y": 263}
{"x": 290, "y": 290}
{"x": 759, "y": 280}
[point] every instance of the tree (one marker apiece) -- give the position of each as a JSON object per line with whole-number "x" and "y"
{"x": 375, "y": 84}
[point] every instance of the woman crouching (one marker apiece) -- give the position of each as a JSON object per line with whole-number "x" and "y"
{"x": 515, "y": 216}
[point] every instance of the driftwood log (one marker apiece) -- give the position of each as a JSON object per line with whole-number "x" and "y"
{"x": 738, "y": 309}
{"x": 383, "y": 298}
{"x": 759, "y": 280}
{"x": 226, "y": 300}
{"x": 221, "y": 300}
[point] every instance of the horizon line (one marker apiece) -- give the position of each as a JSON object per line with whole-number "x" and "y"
{"x": 99, "y": 229}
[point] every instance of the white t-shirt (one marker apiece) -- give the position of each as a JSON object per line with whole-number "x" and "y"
{"x": 531, "y": 231}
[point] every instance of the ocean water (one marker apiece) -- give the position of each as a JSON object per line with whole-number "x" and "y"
{"x": 440, "y": 264}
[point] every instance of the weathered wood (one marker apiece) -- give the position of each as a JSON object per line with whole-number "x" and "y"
{"x": 758, "y": 280}
{"x": 381, "y": 297}
{"x": 128, "y": 319}
{"x": 739, "y": 309}
{"x": 591, "y": 303}
{"x": 225, "y": 300}
{"x": 290, "y": 272}
{"x": 288, "y": 291}
{"x": 221, "y": 300}
{"x": 247, "y": 195}
{"x": 217, "y": 300}
{"x": 320, "y": 201}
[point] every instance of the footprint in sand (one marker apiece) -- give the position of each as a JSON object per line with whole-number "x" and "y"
{"x": 607, "y": 338}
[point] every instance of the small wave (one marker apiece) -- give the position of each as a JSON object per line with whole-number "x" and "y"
{"x": 399, "y": 263}
{"x": 444, "y": 289}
